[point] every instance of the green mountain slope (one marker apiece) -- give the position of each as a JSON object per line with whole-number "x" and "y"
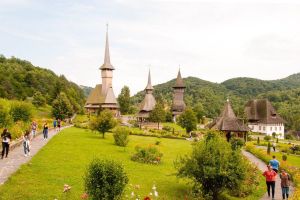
{"x": 252, "y": 87}
{"x": 19, "y": 79}
{"x": 283, "y": 93}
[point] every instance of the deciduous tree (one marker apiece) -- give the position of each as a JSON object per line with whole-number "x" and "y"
{"x": 188, "y": 120}
{"x": 103, "y": 122}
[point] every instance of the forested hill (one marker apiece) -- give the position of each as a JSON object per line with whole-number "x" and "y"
{"x": 210, "y": 97}
{"x": 252, "y": 87}
{"x": 19, "y": 79}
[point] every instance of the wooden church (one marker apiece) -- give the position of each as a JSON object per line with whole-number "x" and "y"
{"x": 102, "y": 96}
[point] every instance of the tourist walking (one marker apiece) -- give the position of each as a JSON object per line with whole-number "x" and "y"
{"x": 55, "y": 124}
{"x": 270, "y": 180}
{"x": 33, "y": 128}
{"x": 58, "y": 124}
{"x": 26, "y": 143}
{"x": 6, "y": 137}
{"x": 45, "y": 131}
{"x": 285, "y": 184}
{"x": 274, "y": 164}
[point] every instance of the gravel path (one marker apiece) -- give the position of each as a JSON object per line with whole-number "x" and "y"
{"x": 262, "y": 166}
{"x": 16, "y": 157}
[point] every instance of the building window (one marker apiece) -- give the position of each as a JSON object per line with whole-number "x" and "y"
{"x": 259, "y": 127}
{"x": 275, "y": 128}
{"x": 271, "y": 128}
{"x": 280, "y": 128}
{"x": 264, "y": 128}
{"x": 252, "y": 127}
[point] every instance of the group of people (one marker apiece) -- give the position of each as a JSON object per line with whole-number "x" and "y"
{"x": 27, "y": 137}
{"x": 271, "y": 173}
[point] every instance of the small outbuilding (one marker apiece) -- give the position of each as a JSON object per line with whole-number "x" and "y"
{"x": 228, "y": 123}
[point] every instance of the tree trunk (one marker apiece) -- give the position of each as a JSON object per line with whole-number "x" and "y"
{"x": 158, "y": 125}
{"x": 103, "y": 135}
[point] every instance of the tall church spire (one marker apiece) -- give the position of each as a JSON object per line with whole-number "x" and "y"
{"x": 179, "y": 81}
{"x": 149, "y": 85}
{"x": 107, "y": 64}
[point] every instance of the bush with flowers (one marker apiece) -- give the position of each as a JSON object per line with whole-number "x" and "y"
{"x": 149, "y": 154}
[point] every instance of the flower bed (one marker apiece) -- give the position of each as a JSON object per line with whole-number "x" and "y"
{"x": 149, "y": 154}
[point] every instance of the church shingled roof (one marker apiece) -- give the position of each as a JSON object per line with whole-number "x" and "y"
{"x": 179, "y": 81}
{"x": 96, "y": 97}
{"x": 227, "y": 121}
{"x": 262, "y": 111}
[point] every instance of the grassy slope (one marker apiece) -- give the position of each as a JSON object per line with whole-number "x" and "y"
{"x": 65, "y": 158}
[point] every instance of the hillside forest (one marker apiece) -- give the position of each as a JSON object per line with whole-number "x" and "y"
{"x": 20, "y": 80}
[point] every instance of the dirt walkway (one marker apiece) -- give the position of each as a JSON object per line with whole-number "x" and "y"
{"x": 16, "y": 157}
{"x": 262, "y": 166}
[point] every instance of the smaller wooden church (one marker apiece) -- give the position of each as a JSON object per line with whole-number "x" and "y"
{"x": 178, "y": 105}
{"x": 149, "y": 102}
{"x": 228, "y": 123}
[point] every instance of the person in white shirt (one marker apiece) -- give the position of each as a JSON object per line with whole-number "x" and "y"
{"x": 26, "y": 143}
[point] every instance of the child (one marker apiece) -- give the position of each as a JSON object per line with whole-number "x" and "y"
{"x": 26, "y": 143}
{"x": 285, "y": 184}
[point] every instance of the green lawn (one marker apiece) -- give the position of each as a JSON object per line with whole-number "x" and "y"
{"x": 292, "y": 159}
{"x": 175, "y": 126}
{"x": 64, "y": 160}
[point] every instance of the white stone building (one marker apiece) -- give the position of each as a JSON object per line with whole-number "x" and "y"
{"x": 263, "y": 118}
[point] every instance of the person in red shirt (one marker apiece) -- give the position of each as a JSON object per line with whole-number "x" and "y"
{"x": 270, "y": 180}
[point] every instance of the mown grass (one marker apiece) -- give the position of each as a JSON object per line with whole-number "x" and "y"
{"x": 65, "y": 158}
{"x": 173, "y": 125}
{"x": 64, "y": 161}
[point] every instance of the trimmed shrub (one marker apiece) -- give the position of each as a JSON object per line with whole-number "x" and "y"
{"x": 237, "y": 143}
{"x": 267, "y": 138}
{"x": 269, "y": 148}
{"x": 167, "y": 128}
{"x": 284, "y": 157}
{"x": 21, "y": 111}
{"x": 105, "y": 179}
{"x": 150, "y": 155}
{"x": 121, "y": 135}
{"x": 258, "y": 140}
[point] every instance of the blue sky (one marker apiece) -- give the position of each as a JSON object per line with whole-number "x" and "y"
{"x": 214, "y": 40}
